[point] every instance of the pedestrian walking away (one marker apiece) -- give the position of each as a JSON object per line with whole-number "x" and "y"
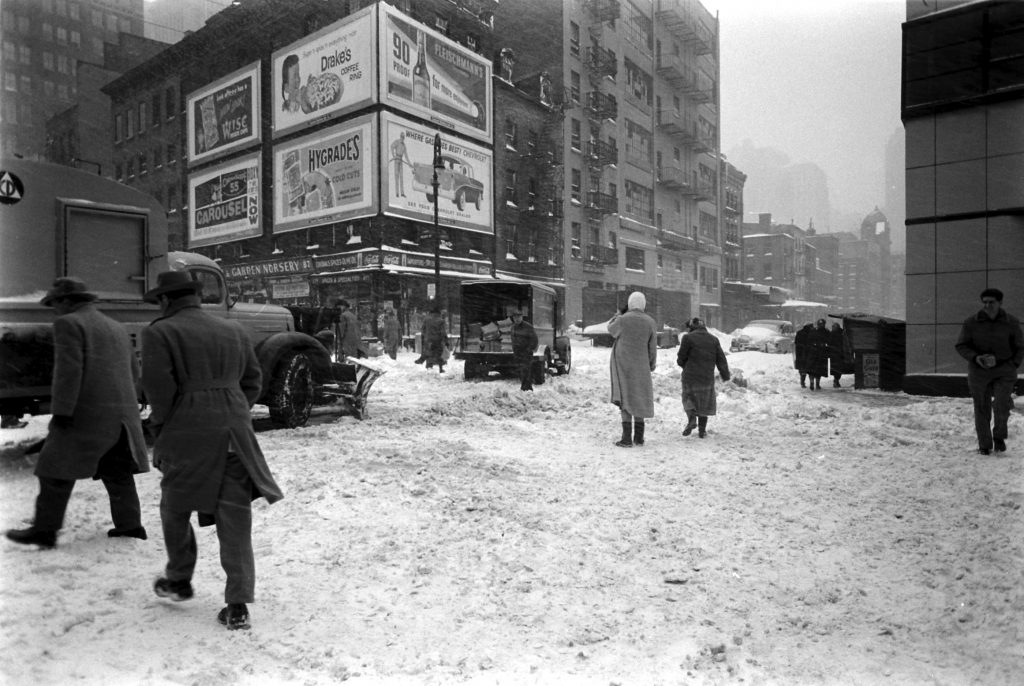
{"x": 434, "y": 339}
{"x": 348, "y": 331}
{"x": 992, "y": 343}
{"x": 96, "y": 430}
{"x": 524, "y": 343}
{"x": 634, "y": 356}
{"x": 836, "y": 354}
{"x": 801, "y": 353}
{"x": 392, "y": 334}
{"x": 817, "y": 354}
{"x": 201, "y": 376}
{"x": 700, "y": 353}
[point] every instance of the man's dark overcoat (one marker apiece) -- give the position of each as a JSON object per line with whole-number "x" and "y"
{"x": 201, "y": 376}
{"x": 94, "y": 382}
{"x": 817, "y": 351}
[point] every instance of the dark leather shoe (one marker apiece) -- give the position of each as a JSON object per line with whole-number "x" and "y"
{"x": 702, "y": 433}
{"x": 138, "y": 532}
{"x": 33, "y": 536}
{"x": 234, "y": 616}
{"x": 983, "y": 451}
{"x": 624, "y": 444}
{"x": 688, "y": 429}
{"x": 175, "y": 590}
{"x": 1000, "y": 445}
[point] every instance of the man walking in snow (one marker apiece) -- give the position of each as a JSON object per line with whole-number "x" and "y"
{"x": 96, "y": 431}
{"x": 699, "y": 354}
{"x": 201, "y": 377}
{"x": 992, "y": 343}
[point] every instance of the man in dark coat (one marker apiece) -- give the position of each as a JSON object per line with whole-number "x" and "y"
{"x": 392, "y": 334}
{"x": 524, "y": 343}
{"x": 349, "y": 336}
{"x": 434, "y": 339}
{"x": 992, "y": 343}
{"x": 817, "y": 354}
{"x": 699, "y": 354}
{"x": 836, "y": 354}
{"x": 201, "y": 376}
{"x": 634, "y": 356}
{"x": 96, "y": 430}
{"x": 801, "y": 352}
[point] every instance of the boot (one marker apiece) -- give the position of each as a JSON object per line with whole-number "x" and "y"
{"x": 691, "y": 423}
{"x": 33, "y": 536}
{"x": 702, "y": 427}
{"x": 638, "y": 432}
{"x": 803, "y": 381}
{"x": 626, "y": 441}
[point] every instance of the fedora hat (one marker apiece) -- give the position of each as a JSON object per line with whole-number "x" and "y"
{"x": 172, "y": 282}
{"x": 68, "y": 287}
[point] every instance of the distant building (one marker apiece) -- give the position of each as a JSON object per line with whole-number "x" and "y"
{"x": 963, "y": 104}
{"x": 43, "y": 43}
{"x": 169, "y": 20}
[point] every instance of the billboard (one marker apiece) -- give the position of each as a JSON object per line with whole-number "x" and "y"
{"x": 431, "y": 76}
{"x": 225, "y": 115}
{"x": 465, "y": 185}
{"x": 224, "y": 202}
{"x": 326, "y": 177}
{"x": 325, "y": 74}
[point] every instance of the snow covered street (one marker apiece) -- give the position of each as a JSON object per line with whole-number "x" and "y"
{"x": 471, "y": 533}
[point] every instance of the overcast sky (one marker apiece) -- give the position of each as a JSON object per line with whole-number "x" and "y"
{"x": 818, "y": 80}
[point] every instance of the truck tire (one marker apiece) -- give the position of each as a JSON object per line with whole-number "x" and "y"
{"x": 290, "y": 399}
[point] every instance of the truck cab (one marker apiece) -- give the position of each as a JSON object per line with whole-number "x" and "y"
{"x": 485, "y": 342}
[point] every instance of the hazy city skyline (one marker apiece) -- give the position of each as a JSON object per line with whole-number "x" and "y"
{"x": 818, "y": 80}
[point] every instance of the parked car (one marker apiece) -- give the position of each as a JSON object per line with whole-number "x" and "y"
{"x": 764, "y": 335}
{"x": 455, "y": 182}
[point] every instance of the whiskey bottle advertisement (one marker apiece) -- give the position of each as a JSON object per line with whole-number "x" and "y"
{"x": 420, "y": 73}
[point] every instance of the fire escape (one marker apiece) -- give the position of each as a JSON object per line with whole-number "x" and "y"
{"x": 543, "y": 211}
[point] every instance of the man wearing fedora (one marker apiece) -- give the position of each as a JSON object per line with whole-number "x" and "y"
{"x": 95, "y": 431}
{"x": 201, "y": 377}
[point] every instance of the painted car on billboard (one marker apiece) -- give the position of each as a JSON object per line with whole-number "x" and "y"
{"x": 455, "y": 182}
{"x": 325, "y": 74}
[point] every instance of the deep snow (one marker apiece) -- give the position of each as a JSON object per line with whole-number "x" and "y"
{"x": 470, "y": 533}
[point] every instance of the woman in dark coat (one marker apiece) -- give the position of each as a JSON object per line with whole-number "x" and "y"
{"x": 699, "y": 355}
{"x": 836, "y": 356}
{"x": 801, "y": 350}
{"x": 817, "y": 357}
{"x": 434, "y": 339}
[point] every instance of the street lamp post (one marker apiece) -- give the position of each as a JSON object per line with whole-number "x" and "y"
{"x": 438, "y": 164}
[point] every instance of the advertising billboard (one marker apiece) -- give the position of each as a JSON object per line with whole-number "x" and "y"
{"x": 224, "y": 116}
{"x": 326, "y": 177}
{"x": 431, "y": 76}
{"x": 465, "y": 185}
{"x": 325, "y": 74}
{"x": 224, "y": 202}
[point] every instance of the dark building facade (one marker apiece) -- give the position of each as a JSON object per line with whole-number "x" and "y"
{"x": 963, "y": 104}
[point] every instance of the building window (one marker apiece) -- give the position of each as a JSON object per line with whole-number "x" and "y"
{"x": 76, "y": 38}
{"x": 576, "y": 239}
{"x": 48, "y": 61}
{"x": 62, "y": 35}
{"x": 118, "y": 127}
{"x": 158, "y": 158}
{"x": 170, "y": 102}
{"x": 143, "y": 169}
{"x": 574, "y": 38}
{"x": 10, "y": 81}
{"x": 576, "y": 137}
{"x": 130, "y": 123}
{"x": 26, "y": 85}
{"x": 129, "y": 169}
{"x": 574, "y": 86}
{"x": 576, "y": 187}
{"x": 155, "y": 111}
{"x": 172, "y": 154}
{"x": 510, "y": 187}
{"x": 118, "y": 171}
{"x": 511, "y": 131}
{"x": 62, "y": 64}
{"x": 472, "y": 42}
{"x": 142, "y": 117}
{"x": 639, "y": 201}
{"x": 48, "y": 31}
{"x": 441, "y": 24}
{"x": 634, "y": 258}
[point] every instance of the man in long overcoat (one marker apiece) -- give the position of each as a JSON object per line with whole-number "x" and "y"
{"x": 801, "y": 352}
{"x": 201, "y": 376}
{"x": 349, "y": 337}
{"x": 434, "y": 339}
{"x": 524, "y": 343}
{"x": 96, "y": 430}
{"x": 817, "y": 354}
{"x": 392, "y": 334}
{"x": 634, "y": 356}
{"x": 699, "y": 354}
